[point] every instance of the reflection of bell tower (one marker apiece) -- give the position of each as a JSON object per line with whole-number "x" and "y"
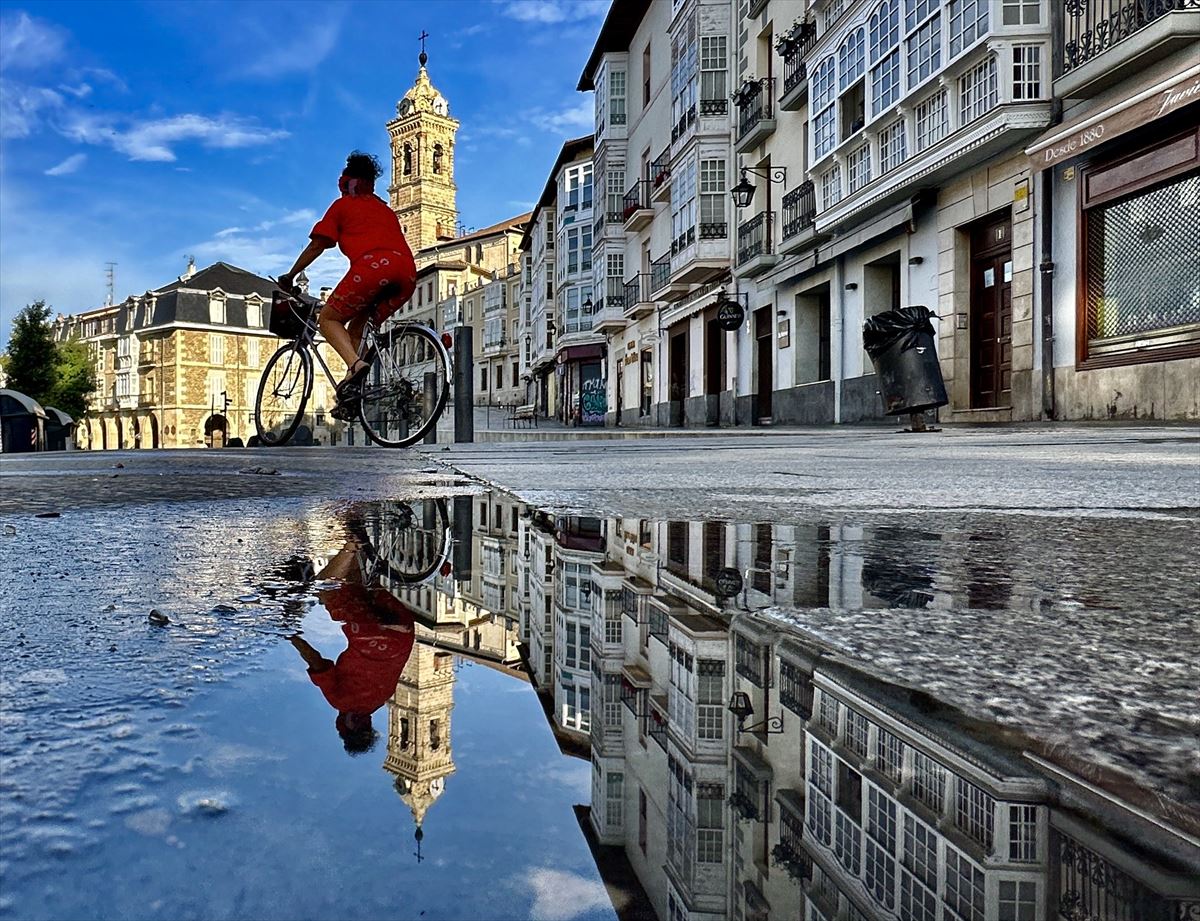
{"x": 422, "y": 191}
{"x": 419, "y": 729}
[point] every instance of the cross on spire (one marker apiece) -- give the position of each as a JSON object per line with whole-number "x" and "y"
{"x": 423, "y": 57}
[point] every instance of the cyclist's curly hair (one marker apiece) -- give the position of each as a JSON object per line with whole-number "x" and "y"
{"x": 361, "y": 165}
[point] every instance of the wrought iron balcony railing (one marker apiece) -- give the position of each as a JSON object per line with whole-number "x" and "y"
{"x": 799, "y": 208}
{"x": 635, "y": 199}
{"x": 1091, "y": 27}
{"x": 614, "y": 296}
{"x": 660, "y": 272}
{"x": 636, "y": 290}
{"x": 754, "y": 237}
{"x": 754, "y": 104}
{"x": 660, "y": 169}
{"x": 683, "y": 241}
{"x": 714, "y": 230}
{"x": 714, "y": 106}
{"x": 794, "y": 48}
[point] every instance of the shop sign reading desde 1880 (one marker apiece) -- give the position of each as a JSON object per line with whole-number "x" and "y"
{"x": 1072, "y": 140}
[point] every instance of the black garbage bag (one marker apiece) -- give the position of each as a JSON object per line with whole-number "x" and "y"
{"x": 902, "y": 325}
{"x": 901, "y": 345}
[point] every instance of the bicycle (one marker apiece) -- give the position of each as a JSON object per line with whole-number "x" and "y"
{"x": 400, "y": 399}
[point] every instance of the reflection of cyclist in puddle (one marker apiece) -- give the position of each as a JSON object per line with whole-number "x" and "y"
{"x": 379, "y": 632}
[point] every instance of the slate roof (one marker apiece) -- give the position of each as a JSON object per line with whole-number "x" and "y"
{"x": 186, "y": 300}
{"x": 229, "y": 278}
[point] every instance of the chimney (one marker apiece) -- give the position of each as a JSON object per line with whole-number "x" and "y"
{"x": 190, "y": 270}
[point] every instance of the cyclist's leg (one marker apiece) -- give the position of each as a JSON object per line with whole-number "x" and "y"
{"x": 343, "y": 307}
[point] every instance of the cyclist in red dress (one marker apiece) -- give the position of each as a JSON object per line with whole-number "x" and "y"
{"x": 382, "y": 272}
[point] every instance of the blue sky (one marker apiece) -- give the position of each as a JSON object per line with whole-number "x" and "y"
{"x": 141, "y": 133}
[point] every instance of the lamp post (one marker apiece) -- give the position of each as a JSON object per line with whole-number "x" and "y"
{"x": 740, "y": 706}
{"x": 743, "y": 192}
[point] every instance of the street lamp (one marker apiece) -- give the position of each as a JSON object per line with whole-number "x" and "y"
{"x": 740, "y": 706}
{"x": 743, "y": 192}
{"x": 586, "y": 306}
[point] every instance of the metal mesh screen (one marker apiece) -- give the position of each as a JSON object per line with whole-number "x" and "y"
{"x": 1143, "y": 262}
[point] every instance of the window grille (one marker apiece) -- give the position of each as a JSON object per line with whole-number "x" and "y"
{"x": 924, "y": 49}
{"x": 858, "y": 164}
{"x": 823, "y": 83}
{"x": 920, "y": 851}
{"x": 968, "y": 21}
{"x": 1027, "y": 72}
{"x": 929, "y": 781}
{"x": 748, "y": 659}
{"x": 710, "y": 823}
{"x": 847, "y": 844}
{"x": 885, "y": 28}
{"x": 889, "y": 754}
{"x": 851, "y": 58}
{"x": 824, "y": 131}
{"x": 857, "y": 729}
{"x": 1022, "y": 833}
{"x": 881, "y": 875}
{"x": 964, "y": 886}
{"x": 831, "y": 186}
{"x": 881, "y": 818}
{"x": 975, "y": 812}
{"x": 1135, "y": 282}
{"x": 827, "y": 716}
{"x": 820, "y": 771}
{"x": 916, "y": 10}
{"x": 892, "y": 146}
{"x": 977, "y": 91}
{"x": 916, "y": 902}
{"x": 795, "y": 689}
{"x": 885, "y": 83}
{"x": 931, "y": 119}
{"x": 747, "y": 798}
{"x": 820, "y": 818}
{"x": 1018, "y": 900}
{"x": 710, "y": 699}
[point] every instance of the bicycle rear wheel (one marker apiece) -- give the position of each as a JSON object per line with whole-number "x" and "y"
{"x": 282, "y": 394}
{"x": 407, "y": 387}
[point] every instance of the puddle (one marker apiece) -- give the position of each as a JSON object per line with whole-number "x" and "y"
{"x": 457, "y": 706}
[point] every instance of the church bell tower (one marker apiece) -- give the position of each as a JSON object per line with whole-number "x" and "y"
{"x": 422, "y": 190}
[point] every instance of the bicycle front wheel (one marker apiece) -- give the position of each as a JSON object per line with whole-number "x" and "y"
{"x": 407, "y": 387}
{"x": 282, "y": 394}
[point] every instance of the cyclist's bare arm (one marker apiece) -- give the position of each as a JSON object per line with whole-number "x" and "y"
{"x": 307, "y": 257}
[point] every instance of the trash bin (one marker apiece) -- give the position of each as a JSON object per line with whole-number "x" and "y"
{"x": 900, "y": 343}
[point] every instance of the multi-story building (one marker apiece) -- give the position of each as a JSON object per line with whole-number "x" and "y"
{"x": 1117, "y": 189}
{"x": 660, "y": 77}
{"x": 179, "y": 366}
{"x": 564, "y": 355}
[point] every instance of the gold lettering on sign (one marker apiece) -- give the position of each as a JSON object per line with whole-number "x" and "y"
{"x": 1173, "y": 99}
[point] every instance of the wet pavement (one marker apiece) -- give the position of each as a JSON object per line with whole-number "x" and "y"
{"x": 376, "y": 689}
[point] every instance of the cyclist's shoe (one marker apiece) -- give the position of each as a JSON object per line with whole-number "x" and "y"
{"x": 349, "y": 387}
{"x": 346, "y": 410}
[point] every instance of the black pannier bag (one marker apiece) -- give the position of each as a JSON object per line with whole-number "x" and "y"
{"x": 290, "y": 315}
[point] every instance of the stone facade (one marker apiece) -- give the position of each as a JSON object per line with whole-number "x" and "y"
{"x": 422, "y": 190}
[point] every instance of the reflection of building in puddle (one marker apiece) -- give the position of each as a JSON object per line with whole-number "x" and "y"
{"x": 418, "y": 751}
{"x": 873, "y": 801}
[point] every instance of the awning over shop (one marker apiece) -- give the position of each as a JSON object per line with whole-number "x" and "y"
{"x": 580, "y": 353}
{"x": 1148, "y": 104}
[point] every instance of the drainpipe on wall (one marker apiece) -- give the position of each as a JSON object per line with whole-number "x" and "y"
{"x": 1046, "y": 268}
{"x": 837, "y": 363}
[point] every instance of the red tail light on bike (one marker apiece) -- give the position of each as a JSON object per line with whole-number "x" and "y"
{"x": 447, "y": 340}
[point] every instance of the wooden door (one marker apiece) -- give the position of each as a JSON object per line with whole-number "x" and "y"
{"x": 991, "y": 314}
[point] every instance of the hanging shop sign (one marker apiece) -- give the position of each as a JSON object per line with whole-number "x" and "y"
{"x": 730, "y": 315}
{"x": 729, "y": 582}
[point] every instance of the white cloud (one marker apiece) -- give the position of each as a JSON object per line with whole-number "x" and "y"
{"x": 23, "y": 107}
{"x": 268, "y": 248}
{"x": 69, "y": 165}
{"x": 79, "y": 92}
{"x": 29, "y": 44}
{"x": 560, "y": 896}
{"x": 549, "y": 12}
{"x": 302, "y": 49}
{"x": 579, "y": 117}
{"x": 154, "y": 139}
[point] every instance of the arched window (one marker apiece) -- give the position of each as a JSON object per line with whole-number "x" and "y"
{"x": 885, "y": 28}
{"x": 850, "y": 57}
{"x": 408, "y": 160}
{"x": 437, "y": 158}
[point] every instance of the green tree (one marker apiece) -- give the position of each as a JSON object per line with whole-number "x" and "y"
{"x": 75, "y": 379}
{"x": 31, "y": 365}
